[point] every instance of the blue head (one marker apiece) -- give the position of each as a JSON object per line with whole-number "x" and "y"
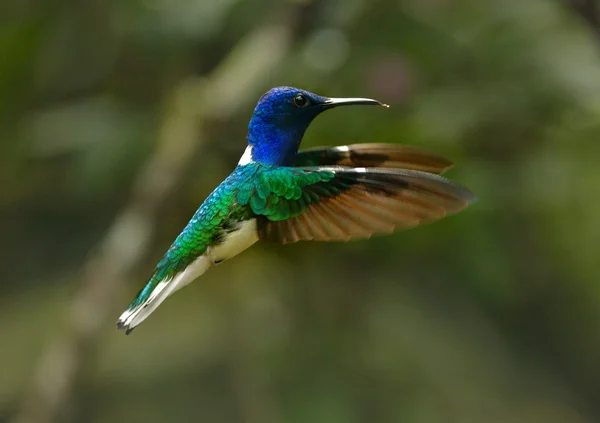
{"x": 281, "y": 118}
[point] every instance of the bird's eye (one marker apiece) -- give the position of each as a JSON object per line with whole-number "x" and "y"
{"x": 300, "y": 100}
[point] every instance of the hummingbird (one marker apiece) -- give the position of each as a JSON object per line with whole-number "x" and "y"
{"x": 277, "y": 193}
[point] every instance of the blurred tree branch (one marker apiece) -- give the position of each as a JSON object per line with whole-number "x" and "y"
{"x": 589, "y": 11}
{"x": 189, "y": 108}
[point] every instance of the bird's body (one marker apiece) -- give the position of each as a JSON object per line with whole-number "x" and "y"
{"x": 278, "y": 194}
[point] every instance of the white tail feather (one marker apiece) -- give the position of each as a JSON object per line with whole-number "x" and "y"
{"x": 133, "y": 317}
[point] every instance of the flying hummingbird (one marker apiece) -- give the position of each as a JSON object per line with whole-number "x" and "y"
{"x": 279, "y": 194}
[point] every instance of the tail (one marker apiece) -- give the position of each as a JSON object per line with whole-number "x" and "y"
{"x": 159, "y": 287}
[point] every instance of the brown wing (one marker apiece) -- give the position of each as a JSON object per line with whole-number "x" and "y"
{"x": 358, "y": 203}
{"x": 374, "y": 155}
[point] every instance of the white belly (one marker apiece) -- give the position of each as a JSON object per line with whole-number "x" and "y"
{"x": 235, "y": 242}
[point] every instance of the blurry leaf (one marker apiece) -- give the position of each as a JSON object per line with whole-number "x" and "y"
{"x": 106, "y": 138}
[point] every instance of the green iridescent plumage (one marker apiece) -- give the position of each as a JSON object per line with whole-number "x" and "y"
{"x": 276, "y": 193}
{"x": 258, "y": 192}
{"x": 280, "y": 194}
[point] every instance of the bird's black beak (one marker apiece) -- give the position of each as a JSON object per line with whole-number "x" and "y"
{"x": 335, "y": 102}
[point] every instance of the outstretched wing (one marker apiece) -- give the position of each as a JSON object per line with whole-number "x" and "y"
{"x": 374, "y": 155}
{"x": 340, "y": 204}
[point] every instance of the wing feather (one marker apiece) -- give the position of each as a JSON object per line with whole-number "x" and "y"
{"x": 357, "y": 203}
{"x": 395, "y": 156}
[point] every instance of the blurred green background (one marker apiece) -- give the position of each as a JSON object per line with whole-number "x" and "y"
{"x": 117, "y": 118}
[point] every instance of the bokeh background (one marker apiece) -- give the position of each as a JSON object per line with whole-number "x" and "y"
{"x": 117, "y": 118}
